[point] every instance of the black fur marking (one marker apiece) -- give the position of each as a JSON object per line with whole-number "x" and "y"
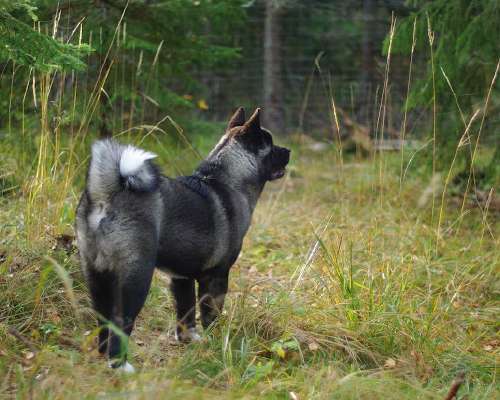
{"x": 185, "y": 304}
{"x": 275, "y": 162}
{"x": 212, "y": 290}
{"x": 101, "y": 288}
{"x": 129, "y": 296}
{"x": 208, "y": 170}
{"x": 196, "y": 184}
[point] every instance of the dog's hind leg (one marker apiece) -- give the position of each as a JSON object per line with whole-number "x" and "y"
{"x": 185, "y": 307}
{"x": 211, "y": 294}
{"x": 101, "y": 290}
{"x": 129, "y": 295}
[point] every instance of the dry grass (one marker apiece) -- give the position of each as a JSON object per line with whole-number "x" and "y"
{"x": 338, "y": 293}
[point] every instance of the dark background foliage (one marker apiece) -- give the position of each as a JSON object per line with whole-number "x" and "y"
{"x": 203, "y": 58}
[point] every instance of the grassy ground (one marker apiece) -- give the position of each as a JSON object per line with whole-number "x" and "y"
{"x": 340, "y": 292}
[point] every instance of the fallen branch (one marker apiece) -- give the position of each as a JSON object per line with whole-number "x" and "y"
{"x": 14, "y": 332}
{"x": 457, "y": 382}
{"x": 489, "y": 199}
{"x": 479, "y": 199}
{"x": 66, "y": 341}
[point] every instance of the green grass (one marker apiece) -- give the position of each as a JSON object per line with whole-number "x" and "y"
{"x": 340, "y": 292}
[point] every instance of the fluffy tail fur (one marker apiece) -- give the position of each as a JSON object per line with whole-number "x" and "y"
{"x": 115, "y": 167}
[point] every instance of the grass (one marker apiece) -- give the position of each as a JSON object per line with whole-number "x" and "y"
{"x": 338, "y": 293}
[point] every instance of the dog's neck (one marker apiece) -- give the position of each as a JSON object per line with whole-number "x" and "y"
{"x": 212, "y": 173}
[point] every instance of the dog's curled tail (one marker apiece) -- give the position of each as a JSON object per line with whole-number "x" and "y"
{"x": 115, "y": 167}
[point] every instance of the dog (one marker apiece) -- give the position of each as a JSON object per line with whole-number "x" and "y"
{"x": 131, "y": 219}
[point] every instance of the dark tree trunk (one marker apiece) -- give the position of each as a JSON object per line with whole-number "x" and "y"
{"x": 274, "y": 115}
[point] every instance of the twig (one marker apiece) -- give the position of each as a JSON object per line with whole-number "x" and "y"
{"x": 65, "y": 341}
{"x": 14, "y": 332}
{"x": 457, "y": 382}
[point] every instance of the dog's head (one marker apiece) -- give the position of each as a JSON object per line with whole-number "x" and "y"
{"x": 247, "y": 151}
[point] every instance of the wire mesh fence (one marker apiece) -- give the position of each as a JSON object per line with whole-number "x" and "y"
{"x": 328, "y": 52}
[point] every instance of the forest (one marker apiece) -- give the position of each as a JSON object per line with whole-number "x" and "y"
{"x": 370, "y": 270}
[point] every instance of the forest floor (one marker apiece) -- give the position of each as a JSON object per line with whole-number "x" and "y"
{"x": 341, "y": 291}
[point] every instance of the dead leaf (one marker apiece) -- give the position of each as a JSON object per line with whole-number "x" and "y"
{"x": 390, "y": 363}
{"x": 491, "y": 345}
{"x": 457, "y": 304}
{"x": 313, "y": 346}
{"x": 202, "y": 105}
{"x": 281, "y": 352}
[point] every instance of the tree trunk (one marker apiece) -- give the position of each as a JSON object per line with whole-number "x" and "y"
{"x": 274, "y": 115}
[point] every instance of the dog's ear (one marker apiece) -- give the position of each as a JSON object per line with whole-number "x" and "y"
{"x": 238, "y": 119}
{"x": 253, "y": 123}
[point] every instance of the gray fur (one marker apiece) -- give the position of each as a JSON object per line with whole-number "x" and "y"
{"x": 107, "y": 170}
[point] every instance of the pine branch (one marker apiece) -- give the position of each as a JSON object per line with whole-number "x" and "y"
{"x": 24, "y": 45}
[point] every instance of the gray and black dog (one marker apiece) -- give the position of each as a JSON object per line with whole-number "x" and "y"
{"x": 131, "y": 219}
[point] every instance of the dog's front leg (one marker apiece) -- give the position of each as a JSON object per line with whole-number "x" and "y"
{"x": 185, "y": 306}
{"x": 211, "y": 293}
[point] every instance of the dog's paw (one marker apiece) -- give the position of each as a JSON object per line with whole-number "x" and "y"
{"x": 187, "y": 336}
{"x": 125, "y": 367}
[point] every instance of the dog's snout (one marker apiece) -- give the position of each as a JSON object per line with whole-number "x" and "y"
{"x": 284, "y": 154}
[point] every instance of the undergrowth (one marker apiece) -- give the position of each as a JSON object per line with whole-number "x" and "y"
{"x": 339, "y": 293}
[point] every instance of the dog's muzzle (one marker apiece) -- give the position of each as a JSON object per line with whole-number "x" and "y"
{"x": 280, "y": 159}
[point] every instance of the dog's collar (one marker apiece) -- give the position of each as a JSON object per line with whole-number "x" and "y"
{"x": 197, "y": 183}
{"x": 201, "y": 176}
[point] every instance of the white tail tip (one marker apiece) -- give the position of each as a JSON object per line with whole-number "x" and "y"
{"x": 132, "y": 159}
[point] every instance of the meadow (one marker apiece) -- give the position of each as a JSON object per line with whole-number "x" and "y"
{"x": 366, "y": 274}
{"x": 352, "y": 284}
